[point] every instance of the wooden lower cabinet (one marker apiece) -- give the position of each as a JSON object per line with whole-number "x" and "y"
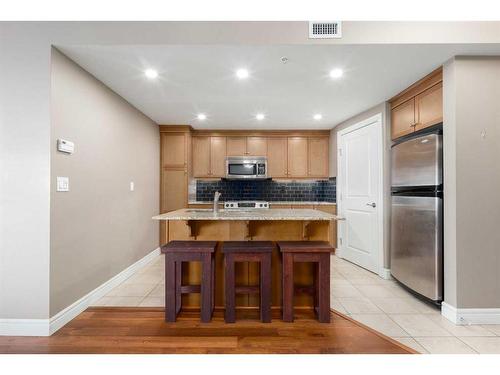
{"x": 173, "y": 195}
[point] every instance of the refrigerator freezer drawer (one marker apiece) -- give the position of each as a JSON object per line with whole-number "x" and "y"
{"x": 416, "y": 244}
{"x": 417, "y": 162}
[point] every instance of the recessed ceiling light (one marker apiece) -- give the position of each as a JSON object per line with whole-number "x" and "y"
{"x": 201, "y": 116}
{"x": 336, "y": 73}
{"x": 260, "y": 116}
{"x": 317, "y": 116}
{"x": 242, "y": 73}
{"x": 151, "y": 73}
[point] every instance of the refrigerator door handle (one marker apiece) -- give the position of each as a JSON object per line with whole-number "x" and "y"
{"x": 373, "y": 204}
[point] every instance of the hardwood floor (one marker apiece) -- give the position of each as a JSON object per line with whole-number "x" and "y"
{"x": 143, "y": 330}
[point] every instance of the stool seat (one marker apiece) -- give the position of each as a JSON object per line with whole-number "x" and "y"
{"x": 247, "y": 251}
{"x": 189, "y": 246}
{"x": 317, "y": 252}
{"x": 177, "y": 252}
{"x": 305, "y": 246}
{"x": 247, "y": 247}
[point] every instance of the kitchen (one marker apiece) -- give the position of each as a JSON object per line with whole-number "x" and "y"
{"x": 257, "y": 144}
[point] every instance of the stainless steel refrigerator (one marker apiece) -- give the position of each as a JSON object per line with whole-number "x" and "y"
{"x": 417, "y": 213}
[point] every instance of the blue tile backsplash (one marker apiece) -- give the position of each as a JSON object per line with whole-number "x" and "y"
{"x": 268, "y": 190}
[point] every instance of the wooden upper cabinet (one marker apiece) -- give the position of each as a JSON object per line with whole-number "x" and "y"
{"x": 209, "y": 156}
{"x": 419, "y": 106}
{"x": 256, "y": 146}
{"x": 174, "y": 150}
{"x": 217, "y": 156}
{"x": 297, "y": 156}
{"x": 318, "y": 157}
{"x": 236, "y": 146}
{"x": 277, "y": 157}
{"x": 403, "y": 119}
{"x": 429, "y": 107}
{"x": 201, "y": 156}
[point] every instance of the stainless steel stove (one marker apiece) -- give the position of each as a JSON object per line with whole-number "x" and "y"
{"x": 246, "y": 205}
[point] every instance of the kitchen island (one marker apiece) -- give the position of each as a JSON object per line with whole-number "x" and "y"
{"x": 248, "y": 225}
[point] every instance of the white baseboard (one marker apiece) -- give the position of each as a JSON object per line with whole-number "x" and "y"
{"x": 470, "y": 316}
{"x": 46, "y": 327}
{"x": 385, "y": 273}
{"x": 24, "y": 327}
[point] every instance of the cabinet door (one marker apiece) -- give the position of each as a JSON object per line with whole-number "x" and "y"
{"x": 429, "y": 107}
{"x": 236, "y": 146}
{"x": 217, "y": 156}
{"x": 256, "y": 146}
{"x": 174, "y": 150}
{"x": 174, "y": 189}
{"x": 277, "y": 157}
{"x": 403, "y": 119}
{"x": 201, "y": 156}
{"x": 297, "y": 157}
{"x": 318, "y": 157}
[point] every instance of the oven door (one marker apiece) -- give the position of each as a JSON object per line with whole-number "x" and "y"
{"x": 241, "y": 170}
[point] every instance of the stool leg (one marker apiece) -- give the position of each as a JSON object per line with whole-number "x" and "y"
{"x": 213, "y": 282}
{"x": 229, "y": 285}
{"x": 316, "y": 287}
{"x": 178, "y": 285}
{"x": 324, "y": 289}
{"x": 170, "y": 310}
{"x": 265, "y": 288}
{"x": 206, "y": 288}
{"x": 288, "y": 287}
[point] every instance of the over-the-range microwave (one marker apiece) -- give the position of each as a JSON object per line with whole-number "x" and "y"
{"x": 246, "y": 167}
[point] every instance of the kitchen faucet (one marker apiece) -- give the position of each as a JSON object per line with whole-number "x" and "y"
{"x": 216, "y": 201}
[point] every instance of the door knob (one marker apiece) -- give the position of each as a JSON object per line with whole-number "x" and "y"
{"x": 372, "y": 204}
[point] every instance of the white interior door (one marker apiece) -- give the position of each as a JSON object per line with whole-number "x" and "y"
{"x": 359, "y": 194}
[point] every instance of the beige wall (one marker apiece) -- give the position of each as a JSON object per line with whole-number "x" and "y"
{"x": 382, "y": 108}
{"x": 99, "y": 227}
{"x": 472, "y": 182}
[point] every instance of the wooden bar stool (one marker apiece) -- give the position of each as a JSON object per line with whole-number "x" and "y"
{"x": 177, "y": 252}
{"x": 248, "y": 251}
{"x": 317, "y": 252}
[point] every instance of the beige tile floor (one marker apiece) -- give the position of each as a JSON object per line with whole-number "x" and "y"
{"x": 380, "y": 304}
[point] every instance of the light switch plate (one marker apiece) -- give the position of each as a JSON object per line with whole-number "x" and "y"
{"x": 62, "y": 183}
{"x": 132, "y": 186}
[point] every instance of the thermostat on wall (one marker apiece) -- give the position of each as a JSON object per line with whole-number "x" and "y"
{"x": 65, "y": 146}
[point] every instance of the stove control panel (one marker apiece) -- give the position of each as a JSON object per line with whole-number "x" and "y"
{"x": 245, "y": 205}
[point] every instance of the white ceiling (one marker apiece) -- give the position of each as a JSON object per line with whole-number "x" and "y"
{"x": 201, "y": 78}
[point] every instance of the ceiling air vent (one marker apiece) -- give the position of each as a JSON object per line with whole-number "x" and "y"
{"x": 325, "y": 30}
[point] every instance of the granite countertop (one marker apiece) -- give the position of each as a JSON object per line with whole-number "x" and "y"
{"x": 277, "y": 203}
{"x": 259, "y": 214}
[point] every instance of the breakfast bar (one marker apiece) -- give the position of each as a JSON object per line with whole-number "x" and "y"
{"x": 248, "y": 225}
